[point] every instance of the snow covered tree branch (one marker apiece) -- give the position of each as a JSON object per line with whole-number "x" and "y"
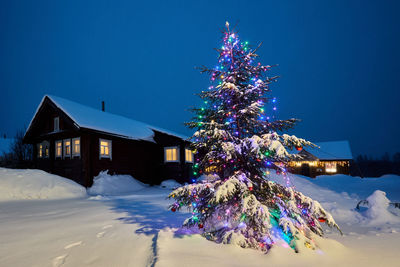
{"x": 238, "y": 140}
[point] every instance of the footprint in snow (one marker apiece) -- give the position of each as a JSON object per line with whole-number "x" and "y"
{"x": 73, "y": 245}
{"x": 100, "y": 235}
{"x": 60, "y": 260}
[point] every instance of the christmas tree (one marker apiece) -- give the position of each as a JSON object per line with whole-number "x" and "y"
{"x": 237, "y": 144}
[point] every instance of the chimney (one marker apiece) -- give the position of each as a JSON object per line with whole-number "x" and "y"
{"x": 103, "y": 108}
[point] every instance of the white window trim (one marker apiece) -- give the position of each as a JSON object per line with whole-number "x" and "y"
{"x": 110, "y": 149}
{"x": 165, "y": 154}
{"x": 74, "y": 154}
{"x": 186, "y": 160}
{"x": 70, "y": 148}
{"x": 55, "y": 150}
{"x": 56, "y": 119}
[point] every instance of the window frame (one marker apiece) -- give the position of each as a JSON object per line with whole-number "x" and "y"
{"x": 56, "y": 119}
{"x": 45, "y": 146}
{"x": 65, "y": 155}
{"x": 47, "y": 155}
{"x": 73, "y": 152}
{"x": 177, "y": 156}
{"x": 331, "y": 167}
{"x": 109, "y": 149}
{"x": 55, "y": 150}
{"x": 40, "y": 150}
{"x": 191, "y": 151}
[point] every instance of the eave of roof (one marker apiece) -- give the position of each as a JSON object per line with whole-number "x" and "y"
{"x": 90, "y": 118}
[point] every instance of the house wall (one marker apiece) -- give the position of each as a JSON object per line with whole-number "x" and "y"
{"x": 180, "y": 171}
{"x": 143, "y": 160}
{"x": 133, "y": 157}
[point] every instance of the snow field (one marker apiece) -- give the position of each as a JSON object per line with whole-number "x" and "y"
{"x": 138, "y": 230}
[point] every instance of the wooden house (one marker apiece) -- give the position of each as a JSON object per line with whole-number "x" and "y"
{"x": 330, "y": 158}
{"x": 77, "y": 142}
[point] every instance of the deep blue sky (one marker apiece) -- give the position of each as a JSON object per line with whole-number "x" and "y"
{"x": 338, "y": 61}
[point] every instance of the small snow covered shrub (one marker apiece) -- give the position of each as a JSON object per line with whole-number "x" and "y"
{"x": 378, "y": 212}
{"x": 237, "y": 145}
{"x": 112, "y": 185}
{"x": 170, "y": 184}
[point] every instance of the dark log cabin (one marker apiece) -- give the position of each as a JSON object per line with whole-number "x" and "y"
{"x": 330, "y": 158}
{"x": 77, "y": 142}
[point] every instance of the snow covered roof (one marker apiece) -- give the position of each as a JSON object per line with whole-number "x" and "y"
{"x": 90, "y": 118}
{"x": 331, "y": 150}
{"x": 5, "y": 145}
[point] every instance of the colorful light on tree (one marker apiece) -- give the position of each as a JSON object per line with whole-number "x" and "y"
{"x": 238, "y": 141}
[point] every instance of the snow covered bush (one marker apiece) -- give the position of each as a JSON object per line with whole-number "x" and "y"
{"x": 377, "y": 212}
{"x": 237, "y": 145}
{"x": 112, "y": 185}
{"x": 170, "y": 184}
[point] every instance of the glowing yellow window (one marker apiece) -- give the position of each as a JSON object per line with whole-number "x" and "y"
{"x": 58, "y": 149}
{"x": 188, "y": 155}
{"x": 67, "y": 148}
{"x": 76, "y": 147}
{"x": 171, "y": 154}
{"x": 105, "y": 148}
{"x": 40, "y": 151}
{"x": 330, "y": 167}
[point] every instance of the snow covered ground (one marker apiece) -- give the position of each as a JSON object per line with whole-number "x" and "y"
{"x": 136, "y": 229}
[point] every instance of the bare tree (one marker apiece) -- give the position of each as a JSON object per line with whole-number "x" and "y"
{"x": 21, "y": 152}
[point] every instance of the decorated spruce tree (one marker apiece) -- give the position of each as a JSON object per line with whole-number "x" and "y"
{"x": 237, "y": 144}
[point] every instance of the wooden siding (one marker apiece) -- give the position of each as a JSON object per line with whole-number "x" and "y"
{"x": 143, "y": 160}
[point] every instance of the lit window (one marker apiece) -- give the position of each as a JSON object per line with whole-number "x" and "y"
{"x": 105, "y": 148}
{"x": 46, "y": 152}
{"x": 58, "y": 149}
{"x": 188, "y": 155}
{"x": 40, "y": 150}
{"x": 76, "y": 147}
{"x": 171, "y": 154}
{"x": 330, "y": 167}
{"x": 56, "y": 124}
{"x": 67, "y": 148}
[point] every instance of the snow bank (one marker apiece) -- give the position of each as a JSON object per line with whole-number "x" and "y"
{"x": 361, "y": 188}
{"x": 170, "y": 184}
{"x": 377, "y": 211}
{"x": 340, "y": 194}
{"x": 36, "y": 184}
{"x": 114, "y": 185}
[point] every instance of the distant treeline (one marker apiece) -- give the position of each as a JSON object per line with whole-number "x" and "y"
{"x": 366, "y": 166}
{"x": 20, "y": 155}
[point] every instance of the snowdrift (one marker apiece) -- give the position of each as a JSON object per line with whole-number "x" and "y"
{"x": 113, "y": 185}
{"x": 340, "y": 194}
{"x": 377, "y": 211}
{"x": 360, "y": 187}
{"x": 170, "y": 184}
{"x": 36, "y": 184}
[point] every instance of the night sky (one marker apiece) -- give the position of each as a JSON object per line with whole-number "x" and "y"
{"x": 338, "y": 61}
